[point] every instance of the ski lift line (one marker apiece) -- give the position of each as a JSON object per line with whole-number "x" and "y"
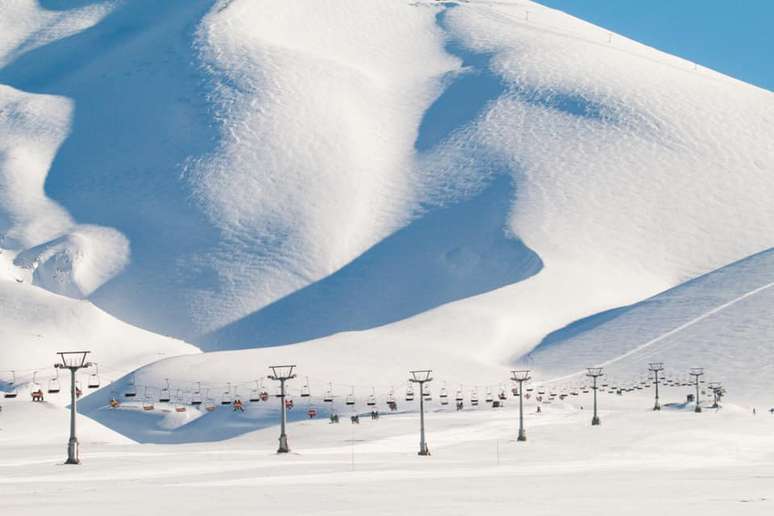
{"x": 671, "y": 332}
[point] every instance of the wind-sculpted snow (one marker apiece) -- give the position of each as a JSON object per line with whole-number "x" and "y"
{"x": 448, "y": 254}
{"x": 446, "y": 181}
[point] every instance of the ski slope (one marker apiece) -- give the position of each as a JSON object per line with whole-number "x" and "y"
{"x": 638, "y": 462}
{"x": 364, "y": 188}
{"x": 718, "y": 321}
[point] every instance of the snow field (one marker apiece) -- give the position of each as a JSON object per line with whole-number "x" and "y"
{"x": 636, "y": 462}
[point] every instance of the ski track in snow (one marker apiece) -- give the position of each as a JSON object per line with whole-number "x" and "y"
{"x": 668, "y": 334}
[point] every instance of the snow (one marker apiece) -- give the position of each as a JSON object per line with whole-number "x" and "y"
{"x": 636, "y": 463}
{"x": 195, "y": 191}
{"x": 247, "y": 126}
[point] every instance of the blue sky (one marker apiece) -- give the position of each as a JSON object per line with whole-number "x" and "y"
{"x": 735, "y": 38}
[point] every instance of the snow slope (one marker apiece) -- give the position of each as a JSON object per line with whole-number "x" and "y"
{"x": 719, "y": 321}
{"x": 278, "y": 155}
{"x": 383, "y": 185}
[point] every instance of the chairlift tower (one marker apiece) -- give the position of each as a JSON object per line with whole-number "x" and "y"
{"x": 421, "y": 377}
{"x": 72, "y": 360}
{"x": 655, "y": 368}
{"x": 521, "y": 377}
{"x": 696, "y": 372}
{"x": 281, "y": 374}
{"x": 594, "y": 373}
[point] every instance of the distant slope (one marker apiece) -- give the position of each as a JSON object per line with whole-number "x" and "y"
{"x": 720, "y": 321}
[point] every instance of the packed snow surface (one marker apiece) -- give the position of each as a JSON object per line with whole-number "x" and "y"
{"x": 364, "y": 188}
{"x": 638, "y": 462}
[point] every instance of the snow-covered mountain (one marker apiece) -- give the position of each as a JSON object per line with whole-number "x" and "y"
{"x": 382, "y": 185}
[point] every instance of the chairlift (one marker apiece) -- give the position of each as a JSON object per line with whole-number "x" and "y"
{"x": 196, "y": 397}
{"x": 474, "y": 397}
{"x": 305, "y": 389}
{"x": 13, "y": 392}
{"x": 53, "y": 384}
{"x": 350, "y": 399}
{"x": 410, "y": 393}
{"x": 164, "y": 395}
{"x": 502, "y": 395}
{"x": 311, "y": 412}
{"x": 444, "y": 395}
{"x": 36, "y": 392}
{"x": 489, "y": 397}
{"x": 371, "y": 402}
{"x": 147, "y": 403}
{"x": 427, "y": 393}
{"x": 179, "y": 404}
{"x": 131, "y": 390}
{"x": 209, "y": 404}
{"x": 255, "y": 394}
{"x": 459, "y": 397}
{"x": 328, "y": 396}
{"x": 94, "y": 378}
{"x": 227, "y": 399}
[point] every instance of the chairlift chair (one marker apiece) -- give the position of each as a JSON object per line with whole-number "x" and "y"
{"x": 196, "y": 397}
{"x": 427, "y": 393}
{"x": 147, "y": 403}
{"x": 209, "y": 404}
{"x": 371, "y": 402}
{"x": 409, "y": 393}
{"x": 13, "y": 392}
{"x": 474, "y": 397}
{"x": 179, "y": 404}
{"x": 53, "y": 384}
{"x": 255, "y": 394}
{"x": 305, "y": 393}
{"x": 459, "y": 398}
{"x": 444, "y": 395}
{"x": 328, "y": 396}
{"x": 350, "y": 399}
{"x": 94, "y": 378}
{"x": 227, "y": 399}
{"x": 131, "y": 390}
{"x": 164, "y": 395}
